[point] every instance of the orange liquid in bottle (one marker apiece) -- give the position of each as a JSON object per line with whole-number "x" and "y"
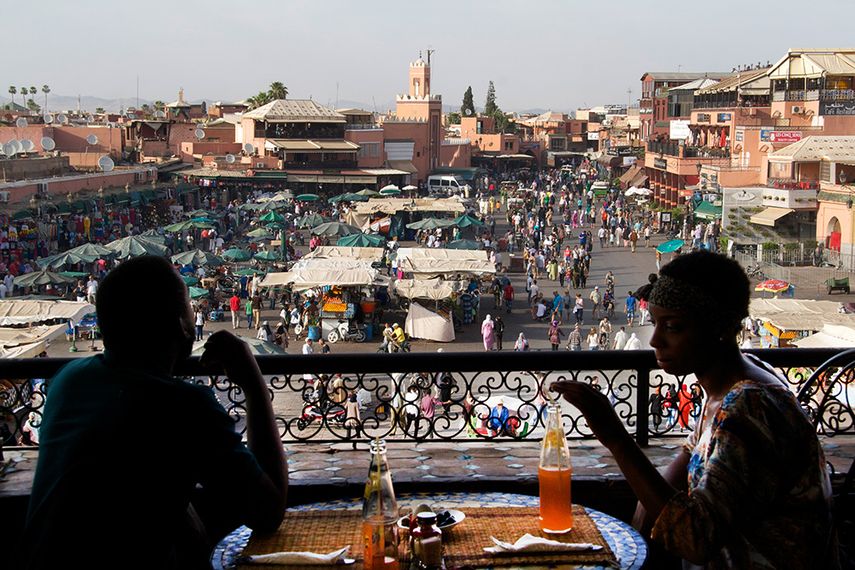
{"x": 376, "y": 539}
{"x": 556, "y": 514}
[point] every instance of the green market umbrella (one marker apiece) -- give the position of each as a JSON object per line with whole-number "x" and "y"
{"x": 74, "y": 274}
{"x": 308, "y": 198}
{"x": 466, "y": 221}
{"x": 190, "y": 280}
{"x": 93, "y": 250}
{"x": 236, "y": 254}
{"x": 60, "y": 260}
{"x": 265, "y": 256}
{"x": 201, "y": 223}
{"x": 248, "y": 272}
{"x": 368, "y": 192}
{"x": 197, "y": 292}
{"x": 274, "y": 226}
{"x": 310, "y": 220}
{"x": 272, "y": 217}
{"x": 154, "y": 235}
{"x": 261, "y": 233}
{"x": 463, "y": 244}
{"x": 203, "y": 214}
{"x": 335, "y": 229}
{"x": 349, "y": 197}
{"x": 670, "y": 246}
{"x": 393, "y": 191}
{"x": 135, "y": 246}
{"x": 430, "y": 224}
{"x": 362, "y": 240}
{"x": 43, "y": 277}
{"x": 253, "y": 207}
{"x": 196, "y": 257}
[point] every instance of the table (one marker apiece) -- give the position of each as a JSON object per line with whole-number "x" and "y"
{"x": 627, "y": 544}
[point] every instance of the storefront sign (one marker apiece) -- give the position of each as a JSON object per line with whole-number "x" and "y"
{"x": 660, "y": 163}
{"x": 785, "y": 136}
{"x": 703, "y": 117}
{"x": 837, "y": 108}
{"x": 594, "y": 136}
{"x": 679, "y": 130}
{"x": 724, "y": 117}
{"x": 739, "y": 135}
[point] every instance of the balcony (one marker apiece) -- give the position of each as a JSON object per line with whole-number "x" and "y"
{"x": 683, "y": 151}
{"x": 837, "y": 95}
{"x": 792, "y": 184}
{"x": 321, "y": 165}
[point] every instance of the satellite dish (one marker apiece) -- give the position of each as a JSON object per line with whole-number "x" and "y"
{"x": 467, "y": 112}
{"x": 106, "y": 163}
{"x": 160, "y": 114}
{"x": 28, "y": 145}
{"x": 200, "y": 134}
{"x": 48, "y": 118}
{"x": 91, "y": 139}
{"x": 10, "y": 149}
{"x": 62, "y": 119}
{"x": 17, "y": 146}
{"x": 230, "y": 158}
{"x": 132, "y": 116}
{"x": 48, "y": 143}
{"x": 248, "y": 148}
{"x": 21, "y": 123}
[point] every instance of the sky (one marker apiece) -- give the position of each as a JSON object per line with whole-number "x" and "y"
{"x": 541, "y": 54}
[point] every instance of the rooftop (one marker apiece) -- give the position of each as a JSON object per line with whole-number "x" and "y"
{"x": 753, "y": 79}
{"x": 816, "y": 148}
{"x": 814, "y": 63}
{"x": 295, "y": 111}
{"x": 684, "y": 75}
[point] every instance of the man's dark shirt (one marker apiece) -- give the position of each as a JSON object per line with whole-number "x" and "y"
{"x": 121, "y": 454}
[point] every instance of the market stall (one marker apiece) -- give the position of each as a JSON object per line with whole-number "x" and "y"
{"x": 423, "y": 323}
{"x": 783, "y": 321}
{"x": 37, "y": 311}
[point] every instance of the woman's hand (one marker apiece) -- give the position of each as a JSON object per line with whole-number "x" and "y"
{"x": 598, "y": 411}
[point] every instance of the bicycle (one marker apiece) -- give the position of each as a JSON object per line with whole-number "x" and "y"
{"x": 755, "y": 271}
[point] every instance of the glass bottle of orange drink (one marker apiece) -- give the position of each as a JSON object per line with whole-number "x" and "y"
{"x": 379, "y": 514}
{"x": 553, "y": 474}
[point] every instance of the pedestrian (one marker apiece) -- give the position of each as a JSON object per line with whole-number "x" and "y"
{"x": 323, "y": 346}
{"x": 256, "y": 310}
{"x": 593, "y": 339}
{"x": 634, "y": 343}
{"x": 234, "y": 307}
{"x": 578, "y": 309}
{"x": 508, "y": 294}
{"x": 620, "y": 339}
{"x": 595, "y": 300}
{"x": 199, "y": 320}
{"x": 352, "y": 420}
{"x": 488, "y": 333}
{"x": 248, "y": 312}
{"x": 631, "y": 304}
{"x": 555, "y": 333}
{"x": 574, "y": 339}
{"x": 264, "y": 332}
{"x": 521, "y": 344}
{"x": 498, "y": 330}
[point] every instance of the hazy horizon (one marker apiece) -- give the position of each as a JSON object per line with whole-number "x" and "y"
{"x": 555, "y": 56}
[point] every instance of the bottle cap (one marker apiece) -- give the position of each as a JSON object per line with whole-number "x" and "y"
{"x": 426, "y": 518}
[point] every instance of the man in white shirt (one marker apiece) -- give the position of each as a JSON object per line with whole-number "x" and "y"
{"x": 620, "y": 339}
{"x": 91, "y": 289}
{"x": 634, "y": 343}
{"x": 3, "y": 290}
{"x": 534, "y": 291}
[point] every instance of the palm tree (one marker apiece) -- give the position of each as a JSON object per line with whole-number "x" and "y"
{"x": 278, "y": 90}
{"x": 23, "y": 91}
{"x": 12, "y": 91}
{"x": 159, "y": 105}
{"x": 45, "y": 90}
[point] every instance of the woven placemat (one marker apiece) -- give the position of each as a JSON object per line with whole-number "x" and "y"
{"x": 463, "y": 545}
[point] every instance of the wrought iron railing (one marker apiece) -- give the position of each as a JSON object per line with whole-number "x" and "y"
{"x": 444, "y": 397}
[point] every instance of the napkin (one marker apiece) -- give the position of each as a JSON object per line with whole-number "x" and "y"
{"x": 300, "y": 558}
{"x": 529, "y": 543}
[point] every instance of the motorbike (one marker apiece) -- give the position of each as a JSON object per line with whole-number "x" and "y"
{"x": 345, "y": 331}
{"x": 321, "y": 411}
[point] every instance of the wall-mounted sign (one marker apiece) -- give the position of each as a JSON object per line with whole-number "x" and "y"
{"x": 660, "y": 163}
{"x": 703, "y": 117}
{"x": 594, "y": 136}
{"x": 680, "y": 130}
{"x": 837, "y": 108}
{"x": 724, "y": 117}
{"x": 739, "y": 135}
{"x": 785, "y": 136}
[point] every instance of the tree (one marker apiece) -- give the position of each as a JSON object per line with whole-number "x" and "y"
{"x": 454, "y": 118}
{"x": 12, "y": 91}
{"x": 99, "y": 110}
{"x": 33, "y": 90}
{"x": 45, "y": 90}
{"x": 278, "y": 90}
{"x": 468, "y": 107}
{"x": 23, "y": 91}
{"x": 33, "y": 106}
{"x": 490, "y": 106}
{"x": 159, "y": 105}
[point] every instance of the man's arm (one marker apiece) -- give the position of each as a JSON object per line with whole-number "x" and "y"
{"x": 268, "y": 499}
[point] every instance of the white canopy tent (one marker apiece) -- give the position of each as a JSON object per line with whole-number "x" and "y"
{"x": 432, "y": 289}
{"x": 32, "y": 311}
{"x": 830, "y": 336}
{"x": 799, "y": 314}
{"x": 372, "y": 253}
{"x": 424, "y": 323}
{"x": 27, "y": 342}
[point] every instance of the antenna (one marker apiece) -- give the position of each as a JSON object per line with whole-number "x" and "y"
{"x": 138, "y": 91}
{"x": 429, "y": 53}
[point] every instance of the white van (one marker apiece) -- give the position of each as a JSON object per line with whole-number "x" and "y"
{"x": 447, "y": 184}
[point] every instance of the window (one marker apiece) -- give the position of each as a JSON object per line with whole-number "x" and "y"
{"x": 556, "y": 144}
{"x": 509, "y": 145}
{"x": 368, "y": 150}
